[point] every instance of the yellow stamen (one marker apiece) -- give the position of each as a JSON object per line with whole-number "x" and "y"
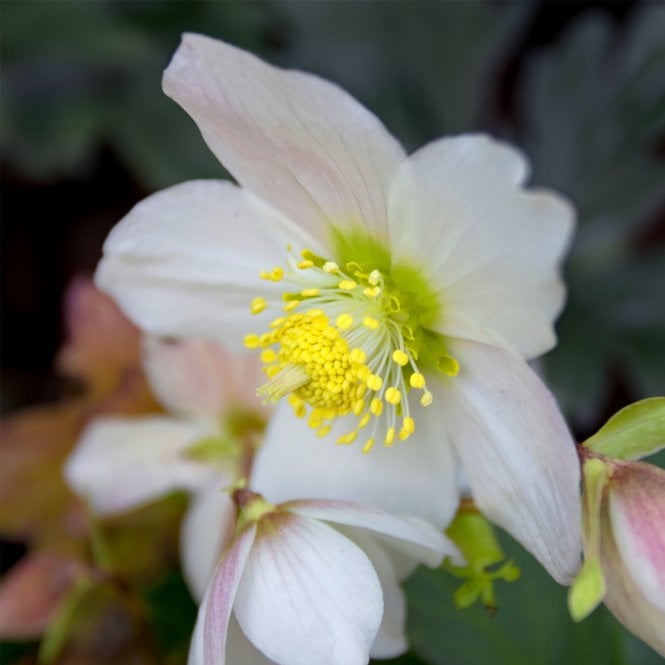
{"x": 427, "y": 398}
{"x": 368, "y": 446}
{"x": 374, "y": 382}
{"x": 344, "y": 321}
{"x": 376, "y": 406}
{"x": 347, "y": 285}
{"x": 400, "y": 358}
{"x": 251, "y": 341}
{"x": 370, "y": 322}
{"x": 390, "y": 437}
{"x": 393, "y": 395}
{"x": 417, "y": 380}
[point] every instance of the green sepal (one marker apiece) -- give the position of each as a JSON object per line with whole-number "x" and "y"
{"x": 587, "y": 591}
{"x": 635, "y": 431}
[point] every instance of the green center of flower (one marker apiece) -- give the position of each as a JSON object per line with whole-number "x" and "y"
{"x": 351, "y": 340}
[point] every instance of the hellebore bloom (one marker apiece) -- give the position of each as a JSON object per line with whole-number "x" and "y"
{"x": 624, "y": 545}
{"x": 202, "y": 445}
{"x": 311, "y": 582}
{"x": 410, "y": 292}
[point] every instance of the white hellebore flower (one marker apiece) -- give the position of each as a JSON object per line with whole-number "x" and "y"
{"x": 409, "y": 293}
{"x": 311, "y": 582}
{"x": 203, "y": 444}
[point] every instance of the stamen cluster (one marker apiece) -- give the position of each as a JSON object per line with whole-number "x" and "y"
{"x": 341, "y": 347}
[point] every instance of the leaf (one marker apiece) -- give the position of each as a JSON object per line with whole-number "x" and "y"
{"x": 634, "y": 432}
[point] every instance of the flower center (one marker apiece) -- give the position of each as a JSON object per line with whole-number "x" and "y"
{"x": 348, "y": 342}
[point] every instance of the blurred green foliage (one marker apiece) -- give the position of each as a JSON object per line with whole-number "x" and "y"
{"x": 588, "y": 108}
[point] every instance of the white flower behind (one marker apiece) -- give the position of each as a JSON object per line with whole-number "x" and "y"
{"x": 407, "y": 294}
{"x": 203, "y": 444}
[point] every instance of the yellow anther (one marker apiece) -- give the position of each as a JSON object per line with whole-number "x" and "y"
{"x": 347, "y": 285}
{"x": 376, "y": 406}
{"x": 417, "y": 380}
{"x": 427, "y": 398}
{"x": 374, "y": 382}
{"x": 346, "y": 439}
{"x": 251, "y": 341}
{"x": 278, "y": 322}
{"x": 370, "y": 322}
{"x": 291, "y": 305}
{"x": 268, "y": 356}
{"x": 275, "y": 275}
{"x": 400, "y": 358}
{"x": 364, "y": 420}
{"x": 390, "y": 437}
{"x": 372, "y": 291}
{"x": 409, "y": 424}
{"x": 358, "y": 406}
{"x": 344, "y": 321}
{"x": 258, "y": 305}
{"x": 393, "y": 395}
{"x": 374, "y": 278}
{"x": 271, "y": 371}
{"x": 357, "y": 356}
{"x": 303, "y": 265}
{"x": 323, "y": 431}
{"x": 368, "y": 446}
{"x": 404, "y": 434}
{"x": 330, "y": 267}
{"x": 309, "y": 293}
{"x": 298, "y": 405}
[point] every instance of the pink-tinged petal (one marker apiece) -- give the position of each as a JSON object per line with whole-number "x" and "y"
{"x": 415, "y": 536}
{"x": 415, "y": 477}
{"x": 491, "y": 248}
{"x": 208, "y": 645}
{"x": 196, "y": 377}
{"x": 517, "y": 453}
{"x": 625, "y": 600}
{"x": 120, "y": 463}
{"x": 298, "y": 142}
{"x": 207, "y": 527}
{"x": 101, "y": 342}
{"x": 637, "y": 514}
{"x": 391, "y": 639}
{"x": 308, "y": 594}
{"x": 32, "y": 591}
{"x": 185, "y": 261}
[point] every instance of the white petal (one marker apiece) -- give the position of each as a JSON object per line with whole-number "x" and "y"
{"x": 415, "y": 477}
{"x": 211, "y": 631}
{"x": 490, "y": 248}
{"x": 391, "y": 639}
{"x": 196, "y": 377}
{"x": 308, "y": 595}
{"x": 298, "y": 142}
{"x": 185, "y": 261}
{"x": 420, "y": 539}
{"x": 517, "y": 453}
{"x": 207, "y": 527}
{"x": 637, "y": 514}
{"x": 120, "y": 463}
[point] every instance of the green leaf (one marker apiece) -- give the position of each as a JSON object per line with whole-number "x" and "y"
{"x": 634, "y": 432}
